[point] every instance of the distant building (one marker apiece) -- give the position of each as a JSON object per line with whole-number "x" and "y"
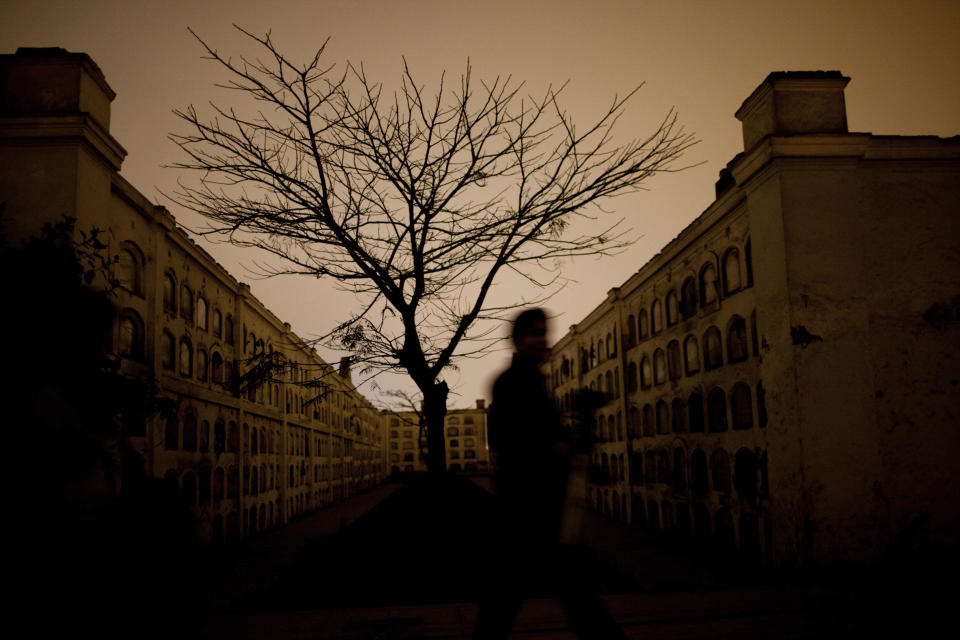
{"x": 247, "y": 452}
{"x": 782, "y": 378}
{"x": 465, "y": 437}
{"x": 406, "y": 445}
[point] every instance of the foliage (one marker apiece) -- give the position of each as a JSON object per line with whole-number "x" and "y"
{"x": 73, "y": 402}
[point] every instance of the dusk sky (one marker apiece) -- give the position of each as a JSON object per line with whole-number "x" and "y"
{"x": 703, "y": 58}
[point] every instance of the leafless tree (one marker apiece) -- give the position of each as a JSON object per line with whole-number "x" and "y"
{"x": 415, "y": 202}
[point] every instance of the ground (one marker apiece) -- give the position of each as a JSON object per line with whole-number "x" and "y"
{"x": 391, "y": 565}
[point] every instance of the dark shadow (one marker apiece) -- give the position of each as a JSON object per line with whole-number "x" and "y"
{"x": 99, "y": 547}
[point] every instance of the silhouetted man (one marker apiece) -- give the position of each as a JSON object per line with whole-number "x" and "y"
{"x": 533, "y": 454}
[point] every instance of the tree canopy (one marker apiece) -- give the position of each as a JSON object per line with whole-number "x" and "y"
{"x": 416, "y": 201}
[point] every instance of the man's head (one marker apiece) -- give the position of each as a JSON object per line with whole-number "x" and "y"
{"x": 530, "y": 335}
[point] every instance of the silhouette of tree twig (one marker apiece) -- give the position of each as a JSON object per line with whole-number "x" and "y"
{"x": 415, "y": 202}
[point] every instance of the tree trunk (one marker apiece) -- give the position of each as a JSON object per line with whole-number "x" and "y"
{"x": 435, "y": 411}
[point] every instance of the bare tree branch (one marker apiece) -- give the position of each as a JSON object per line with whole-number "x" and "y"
{"x": 416, "y": 201}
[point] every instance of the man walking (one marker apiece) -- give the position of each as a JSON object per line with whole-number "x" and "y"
{"x": 533, "y": 458}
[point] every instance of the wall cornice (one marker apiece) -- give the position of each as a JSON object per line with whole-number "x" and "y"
{"x": 81, "y": 127}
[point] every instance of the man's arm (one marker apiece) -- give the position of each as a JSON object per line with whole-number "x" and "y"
{"x": 496, "y": 418}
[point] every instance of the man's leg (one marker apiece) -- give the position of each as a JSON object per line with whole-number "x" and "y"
{"x": 587, "y": 612}
{"x": 512, "y": 574}
{"x": 504, "y": 593}
{"x": 496, "y": 616}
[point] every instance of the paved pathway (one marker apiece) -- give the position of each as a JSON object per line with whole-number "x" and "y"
{"x": 782, "y": 612}
{"x": 263, "y": 559}
{"x": 676, "y": 598}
